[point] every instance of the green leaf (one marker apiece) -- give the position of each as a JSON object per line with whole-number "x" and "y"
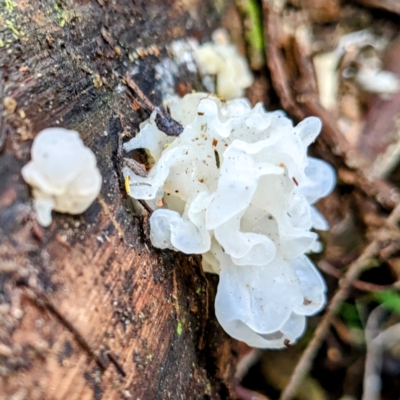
{"x": 389, "y": 299}
{"x": 350, "y": 315}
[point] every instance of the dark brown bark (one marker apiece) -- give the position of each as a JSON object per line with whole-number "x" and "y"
{"x": 88, "y": 309}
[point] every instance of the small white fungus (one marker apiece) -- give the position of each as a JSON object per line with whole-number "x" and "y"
{"x": 221, "y": 58}
{"x": 238, "y": 188}
{"x": 63, "y": 174}
{"x": 368, "y": 72}
{"x": 376, "y": 80}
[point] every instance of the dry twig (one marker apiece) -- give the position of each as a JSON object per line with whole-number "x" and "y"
{"x": 246, "y": 394}
{"x": 373, "y": 361}
{"x": 360, "y": 285}
{"x": 163, "y": 120}
{"x": 372, "y": 250}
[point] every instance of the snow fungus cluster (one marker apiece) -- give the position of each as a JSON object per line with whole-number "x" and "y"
{"x": 238, "y": 187}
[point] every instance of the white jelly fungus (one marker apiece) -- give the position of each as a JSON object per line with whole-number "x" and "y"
{"x": 237, "y": 187}
{"x": 63, "y": 174}
{"x": 221, "y": 58}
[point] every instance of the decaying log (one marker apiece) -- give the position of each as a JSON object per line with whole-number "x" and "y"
{"x": 88, "y": 309}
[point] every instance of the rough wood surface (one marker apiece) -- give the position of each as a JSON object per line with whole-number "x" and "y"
{"x": 88, "y": 309}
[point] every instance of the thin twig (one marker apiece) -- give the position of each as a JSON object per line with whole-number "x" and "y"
{"x": 146, "y": 206}
{"x": 345, "y": 284}
{"x": 376, "y": 347}
{"x": 116, "y": 363}
{"x": 136, "y": 89}
{"x": 246, "y": 394}
{"x": 163, "y": 119}
{"x": 305, "y": 363}
{"x": 246, "y": 362}
{"x": 373, "y": 361}
{"x": 360, "y": 285}
{"x": 389, "y": 336}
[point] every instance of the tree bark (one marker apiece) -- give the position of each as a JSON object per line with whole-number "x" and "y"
{"x": 88, "y": 308}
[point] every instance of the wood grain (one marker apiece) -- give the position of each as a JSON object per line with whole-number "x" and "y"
{"x": 88, "y": 309}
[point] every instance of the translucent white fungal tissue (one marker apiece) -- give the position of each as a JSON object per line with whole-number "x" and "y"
{"x": 63, "y": 174}
{"x": 238, "y": 188}
{"x": 221, "y": 58}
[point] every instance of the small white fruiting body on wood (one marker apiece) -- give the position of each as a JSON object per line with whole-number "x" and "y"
{"x": 237, "y": 187}
{"x": 63, "y": 174}
{"x": 221, "y": 58}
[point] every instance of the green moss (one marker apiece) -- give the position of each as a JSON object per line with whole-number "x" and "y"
{"x": 60, "y": 14}
{"x": 10, "y": 25}
{"x": 250, "y": 11}
{"x": 389, "y": 299}
{"x": 350, "y": 315}
{"x": 10, "y": 5}
{"x": 179, "y": 328}
{"x": 255, "y": 33}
